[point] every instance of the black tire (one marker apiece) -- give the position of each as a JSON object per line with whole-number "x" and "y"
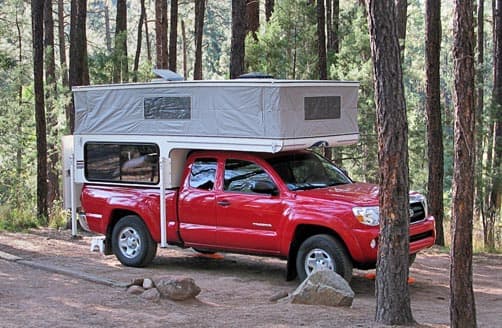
{"x": 132, "y": 243}
{"x": 324, "y": 252}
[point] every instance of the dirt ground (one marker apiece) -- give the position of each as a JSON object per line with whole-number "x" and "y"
{"x": 236, "y": 289}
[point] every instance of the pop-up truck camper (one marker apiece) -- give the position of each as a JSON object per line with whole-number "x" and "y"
{"x": 225, "y": 166}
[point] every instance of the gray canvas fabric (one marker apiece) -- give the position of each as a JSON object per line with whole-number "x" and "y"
{"x": 248, "y": 109}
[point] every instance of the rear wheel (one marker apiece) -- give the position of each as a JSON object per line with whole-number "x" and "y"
{"x": 323, "y": 252}
{"x": 132, "y": 243}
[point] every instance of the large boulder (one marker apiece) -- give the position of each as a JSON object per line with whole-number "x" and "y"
{"x": 324, "y": 287}
{"x": 177, "y": 289}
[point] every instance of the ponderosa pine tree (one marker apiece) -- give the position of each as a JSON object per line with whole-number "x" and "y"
{"x": 392, "y": 294}
{"x": 462, "y": 305}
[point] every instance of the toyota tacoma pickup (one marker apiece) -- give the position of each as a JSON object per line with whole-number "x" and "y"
{"x": 294, "y": 205}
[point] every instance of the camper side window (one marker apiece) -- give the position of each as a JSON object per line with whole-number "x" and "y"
{"x": 124, "y": 163}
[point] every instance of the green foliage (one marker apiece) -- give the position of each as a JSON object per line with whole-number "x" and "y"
{"x": 17, "y": 218}
{"x": 286, "y": 47}
{"x": 353, "y": 62}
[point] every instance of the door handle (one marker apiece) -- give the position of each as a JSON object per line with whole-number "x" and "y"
{"x": 224, "y": 202}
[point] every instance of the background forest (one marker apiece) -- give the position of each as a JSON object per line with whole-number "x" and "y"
{"x": 123, "y": 41}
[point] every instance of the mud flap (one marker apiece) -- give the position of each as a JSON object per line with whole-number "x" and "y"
{"x": 291, "y": 273}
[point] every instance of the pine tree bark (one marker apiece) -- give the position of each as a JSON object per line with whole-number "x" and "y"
{"x": 462, "y": 307}
{"x": 237, "y": 46}
{"x": 37, "y": 19}
{"x": 392, "y": 294}
{"x": 51, "y": 93}
{"x": 121, "y": 71}
{"x": 252, "y": 17}
{"x": 495, "y": 194}
{"x": 184, "y": 42}
{"x": 433, "y": 113}
{"x": 321, "y": 41}
{"x": 402, "y": 17}
{"x": 62, "y": 46}
{"x": 79, "y": 71}
{"x": 199, "y": 31}
{"x": 269, "y": 9}
{"x": 139, "y": 41}
{"x": 173, "y": 36}
{"x": 161, "y": 33}
{"x": 108, "y": 33}
{"x": 147, "y": 40}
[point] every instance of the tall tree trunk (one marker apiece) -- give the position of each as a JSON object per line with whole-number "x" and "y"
{"x": 199, "y": 31}
{"x": 139, "y": 41}
{"x": 173, "y": 36}
{"x": 51, "y": 93}
{"x": 184, "y": 40}
{"x": 108, "y": 32}
{"x": 37, "y": 19}
{"x": 237, "y": 46}
{"x": 120, "y": 71}
{"x": 321, "y": 41}
{"x": 252, "y": 17}
{"x": 161, "y": 33}
{"x": 392, "y": 294}
{"x": 495, "y": 194}
{"x": 332, "y": 47}
{"x": 147, "y": 40}
{"x": 402, "y": 17}
{"x": 79, "y": 71}
{"x": 62, "y": 47}
{"x": 269, "y": 9}
{"x": 333, "y": 25}
{"x": 462, "y": 307}
{"x": 480, "y": 129}
{"x": 433, "y": 113}
{"x": 20, "y": 119}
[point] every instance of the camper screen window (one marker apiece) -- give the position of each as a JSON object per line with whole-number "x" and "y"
{"x": 167, "y": 108}
{"x": 322, "y": 108}
{"x": 124, "y": 163}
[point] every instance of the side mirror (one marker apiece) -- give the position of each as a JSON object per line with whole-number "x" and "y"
{"x": 264, "y": 187}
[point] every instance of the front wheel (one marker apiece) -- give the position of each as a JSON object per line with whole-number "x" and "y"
{"x": 323, "y": 252}
{"x": 132, "y": 243}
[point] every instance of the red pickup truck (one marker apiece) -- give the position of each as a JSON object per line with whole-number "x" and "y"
{"x": 293, "y": 205}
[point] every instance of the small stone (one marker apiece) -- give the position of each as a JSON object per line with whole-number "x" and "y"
{"x": 137, "y": 282}
{"x": 148, "y": 283}
{"x": 151, "y": 295}
{"x": 278, "y": 296}
{"x": 177, "y": 289}
{"x": 135, "y": 290}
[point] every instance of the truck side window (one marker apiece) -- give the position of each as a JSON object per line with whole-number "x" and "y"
{"x": 243, "y": 176}
{"x": 203, "y": 173}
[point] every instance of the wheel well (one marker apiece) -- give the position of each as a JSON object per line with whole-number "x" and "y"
{"x": 115, "y": 216}
{"x": 303, "y": 232}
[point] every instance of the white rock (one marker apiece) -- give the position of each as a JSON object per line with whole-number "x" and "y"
{"x": 148, "y": 283}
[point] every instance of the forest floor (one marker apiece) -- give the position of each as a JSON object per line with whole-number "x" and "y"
{"x": 236, "y": 289}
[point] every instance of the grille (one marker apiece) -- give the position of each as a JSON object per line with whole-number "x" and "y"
{"x": 417, "y": 212}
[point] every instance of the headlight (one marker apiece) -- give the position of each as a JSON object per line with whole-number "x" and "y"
{"x": 367, "y": 215}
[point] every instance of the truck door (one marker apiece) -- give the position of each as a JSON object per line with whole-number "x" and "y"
{"x": 248, "y": 209}
{"x": 196, "y": 206}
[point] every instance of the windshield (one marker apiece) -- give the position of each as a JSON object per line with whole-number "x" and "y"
{"x": 307, "y": 170}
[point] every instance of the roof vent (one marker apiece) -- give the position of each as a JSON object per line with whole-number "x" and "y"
{"x": 167, "y": 75}
{"x": 255, "y": 75}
